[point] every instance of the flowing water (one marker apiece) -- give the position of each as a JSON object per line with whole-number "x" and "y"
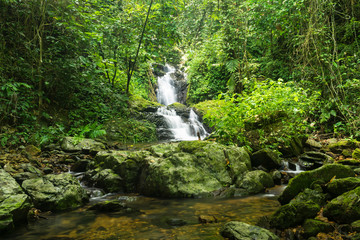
{"x": 182, "y": 129}
{"x": 151, "y": 222}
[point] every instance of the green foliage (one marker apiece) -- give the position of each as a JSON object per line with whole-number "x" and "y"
{"x": 274, "y": 104}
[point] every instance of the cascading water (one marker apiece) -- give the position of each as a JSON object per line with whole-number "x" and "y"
{"x": 182, "y": 130}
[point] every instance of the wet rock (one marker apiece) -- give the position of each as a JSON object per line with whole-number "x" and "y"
{"x": 340, "y": 186}
{"x": 311, "y": 195}
{"x": 243, "y": 231}
{"x": 55, "y": 192}
{"x": 255, "y": 182}
{"x": 354, "y": 163}
{"x": 127, "y": 165}
{"x": 190, "y": 169}
{"x": 293, "y": 214}
{"x": 313, "y": 227}
{"x": 313, "y": 160}
{"x": 338, "y": 147}
{"x": 70, "y": 144}
{"x": 266, "y": 158}
{"x": 176, "y": 222}
{"x": 14, "y": 203}
{"x": 22, "y": 176}
{"x": 313, "y": 143}
{"x": 323, "y": 174}
{"x": 345, "y": 208}
{"x": 207, "y": 219}
{"x": 105, "y": 179}
{"x": 181, "y": 110}
{"x": 113, "y": 206}
{"x": 276, "y": 176}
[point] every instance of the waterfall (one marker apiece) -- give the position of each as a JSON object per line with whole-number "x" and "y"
{"x": 182, "y": 129}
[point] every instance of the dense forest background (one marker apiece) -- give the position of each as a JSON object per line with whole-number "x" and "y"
{"x": 69, "y": 67}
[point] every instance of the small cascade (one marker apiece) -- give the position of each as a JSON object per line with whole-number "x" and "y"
{"x": 182, "y": 129}
{"x": 292, "y": 168}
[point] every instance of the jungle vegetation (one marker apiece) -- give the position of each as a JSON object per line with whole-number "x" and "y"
{"x": 69, "y": 67}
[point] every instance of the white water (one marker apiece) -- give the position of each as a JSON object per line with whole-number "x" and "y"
{"x": 297, "y": 171}
{"x": 182, "y": 130}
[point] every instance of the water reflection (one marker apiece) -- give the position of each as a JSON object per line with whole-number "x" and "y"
{"x": 152, "y": 222}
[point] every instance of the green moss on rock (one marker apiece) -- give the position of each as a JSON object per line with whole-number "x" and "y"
{"x": 313, "y": 227}
{"x": 340, "y": 186}
{"x": 305, "y": 179}
{"x": 243, "y": 231}
{"x": 293, "y": 214}
{"x": 345, "y": 208}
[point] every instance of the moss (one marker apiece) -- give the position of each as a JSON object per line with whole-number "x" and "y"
{"x": 339, "y": 146}
{"x": 178, "y": 106}
{"x": 345, "y": 208}
{"x": 356, "y": 226}
{"x": 193, "y": 146}
{"x": 340, "y": 186}
{"x": 139, "y": 104}
{"x": 305, "y": 179}
{"x": 313, "y": 227}
{"x": 293, "y": 214}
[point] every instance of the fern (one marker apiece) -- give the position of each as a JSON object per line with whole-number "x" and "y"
{"x": 232, "y": 65}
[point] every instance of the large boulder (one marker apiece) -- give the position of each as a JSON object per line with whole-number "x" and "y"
{"x": 340, "y": 186}
{"x": 304, "y": 180}
{"x": 312, "y": 227}
{"x": 266, "y": 158}
{"x": 191, "y": 169}
{"x": 345, "y": 208}
{"x": 293, "y": 214}
{"x": 14, "y": 203}
{"x": 70, "y": 144}
{"x": 305, "y": 205}
{"x": 126, "y": 164}
{"x": 243, "y": 231}
{"x": 255, "y": 182}
{"x": 56, "y": 192}
{"x": 105, "y": 179}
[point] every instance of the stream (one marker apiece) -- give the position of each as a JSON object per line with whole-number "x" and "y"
{"x": 155, "y": 216}
{"x": 152, "y": 221}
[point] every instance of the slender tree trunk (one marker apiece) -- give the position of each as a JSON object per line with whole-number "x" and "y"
{"x": 137, "y": 53}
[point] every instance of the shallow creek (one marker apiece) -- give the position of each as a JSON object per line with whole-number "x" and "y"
{"x": 151, "y": 223}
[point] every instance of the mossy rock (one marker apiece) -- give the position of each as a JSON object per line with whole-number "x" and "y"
{"x": 191, "y": 169}
{"x": 140, "y": 104}
{"x": 109, "y": 181}
{"x": 242, "y": 231}
{"x": 345, "y": 208}
{"x": 349, "y": 162}
{"x": 312, "y": 227}
{"x": 56, "y": 192}
{"x": 293, "y": 214}
{"x": 339, "y": 146}
{"x": 266, "y": 158}
{"x": 180, "y": 109}
{"x": 305, "y": 179}
{"x": 356, "y": 154}
{"x": 255, "y": 182}
{"x": 311, "y": 195}
{"x": 70, "y": 144}
{"x": 340, "y": 186}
